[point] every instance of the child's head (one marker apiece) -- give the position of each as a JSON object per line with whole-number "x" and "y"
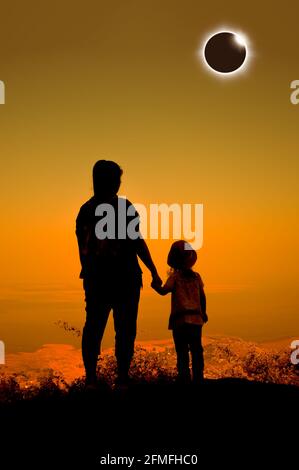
{"x": 181, "y": 255}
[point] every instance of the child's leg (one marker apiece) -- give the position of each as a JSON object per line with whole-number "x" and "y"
{"x": 182, "y": 351}
{"x": 196, "y": 352}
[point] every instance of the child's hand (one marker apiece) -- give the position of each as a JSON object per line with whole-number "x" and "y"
{"x": 155, "y": 284}
{"x": 156, "y": 280}
{"x": 205, "y": 318}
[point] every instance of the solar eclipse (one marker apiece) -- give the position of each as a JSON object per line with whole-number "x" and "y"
{"x": 225, "y": 52}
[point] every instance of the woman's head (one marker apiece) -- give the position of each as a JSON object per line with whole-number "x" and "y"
{"x": 106, "y": 178}
{"x": 181, "y": 255}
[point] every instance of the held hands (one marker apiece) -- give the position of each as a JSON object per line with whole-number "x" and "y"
{"x": 156, "y": 280}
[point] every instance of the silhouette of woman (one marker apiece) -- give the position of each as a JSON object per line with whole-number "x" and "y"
{"x": 111, "y": 275}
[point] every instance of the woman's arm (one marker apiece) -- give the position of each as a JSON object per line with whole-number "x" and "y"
{"x": 145, "y": 256}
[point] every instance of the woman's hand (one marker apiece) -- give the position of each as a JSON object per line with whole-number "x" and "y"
{"x": 156, "y": 280}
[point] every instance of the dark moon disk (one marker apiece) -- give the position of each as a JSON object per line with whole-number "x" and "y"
{"x": 224, "y": 53}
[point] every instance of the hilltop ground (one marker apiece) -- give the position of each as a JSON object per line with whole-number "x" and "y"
{"x": 228, "y": 422}
{"x": 245, "y": 414}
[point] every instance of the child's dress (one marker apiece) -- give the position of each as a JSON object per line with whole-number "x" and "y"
{"x": 185, "y": 299}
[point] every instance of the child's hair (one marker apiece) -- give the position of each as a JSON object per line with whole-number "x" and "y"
{"x": 181, "y": 256}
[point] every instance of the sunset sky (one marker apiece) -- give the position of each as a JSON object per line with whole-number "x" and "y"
{"x": 121, "y": 80}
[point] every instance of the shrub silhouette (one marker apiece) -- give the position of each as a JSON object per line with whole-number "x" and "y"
{"x": 153, "y": 366}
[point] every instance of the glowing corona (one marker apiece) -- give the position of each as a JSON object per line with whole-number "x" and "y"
{"x": 240, "y": 38}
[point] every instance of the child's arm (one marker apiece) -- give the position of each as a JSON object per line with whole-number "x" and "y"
{"x": 203, "y": 303}
{"x": 168, "y": 286}
{"x": 162, "y": 290}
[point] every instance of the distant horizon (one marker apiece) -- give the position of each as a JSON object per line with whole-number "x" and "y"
{"x": 38, "y": 308}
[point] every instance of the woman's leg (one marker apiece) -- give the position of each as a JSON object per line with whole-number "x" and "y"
{"x": 125, "y": 310}
{"x": 97, "y": 312}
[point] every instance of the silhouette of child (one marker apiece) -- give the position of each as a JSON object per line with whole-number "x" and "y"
{"x": 188, "y": 310}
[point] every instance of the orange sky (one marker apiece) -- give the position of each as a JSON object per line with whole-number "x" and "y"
{"x": 121, "y": 81}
